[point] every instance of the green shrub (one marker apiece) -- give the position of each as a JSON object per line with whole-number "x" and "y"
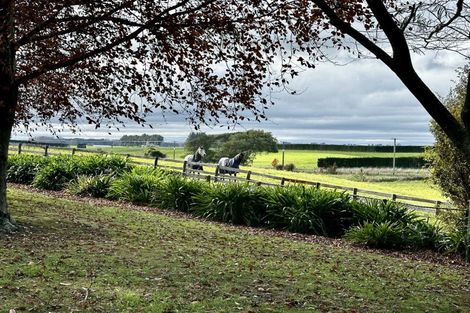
{"x": 91, "y": 186}
{"x": 61, "y": 170}
{"x": 152, "y": 152}
{"x": 379, "y": 235}
{"x": 288, "y": 167}
{"x": 58, "y": 172}
{"x": 141, "y": 185}
{"x": 380, "y": 211}
{"x": 458, "y": 239}
{"x": 22, "y": 169}
{"x": 396, "y": 235}
{"x": 390, "y": 225}
{"x": 458, "y": 242}
{"x": 101, "y": 164}
{"x": 233, "y": 203}
{"x": 308, "y": 210}
{"x": 177, "y": 193}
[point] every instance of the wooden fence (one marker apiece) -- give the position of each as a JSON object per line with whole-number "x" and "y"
{"x": 227, "y": 175}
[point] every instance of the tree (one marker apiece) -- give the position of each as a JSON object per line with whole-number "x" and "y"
{"x": 389, "y": 30}
{"x": 449, "y": 167}
{"x": 196, "y": 140}
{"x": 135, "y": 140}
{"x": 106, "y": 61}
{"x": 250, "y": 143}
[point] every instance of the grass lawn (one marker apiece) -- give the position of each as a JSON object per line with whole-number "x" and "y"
{"x": 414, "y": 188}
{"x": 307, "y": 159}
{"x": 86, "y": 257}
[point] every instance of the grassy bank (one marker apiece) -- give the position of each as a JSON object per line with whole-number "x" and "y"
{"x": 94, "y": 258}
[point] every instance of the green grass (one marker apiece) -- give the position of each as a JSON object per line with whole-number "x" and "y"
{"x": 307, "y": 159}
{"x": 414, "y": 188}
{"x": 89, "y": 258}
{"x": 180, "y": 153}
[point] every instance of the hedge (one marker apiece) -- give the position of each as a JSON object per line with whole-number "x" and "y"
{"x": 408, "y": 162}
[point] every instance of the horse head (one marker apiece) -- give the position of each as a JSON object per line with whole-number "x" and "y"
{"x": 238, "y": 159}
{"x": 201, "y": 151}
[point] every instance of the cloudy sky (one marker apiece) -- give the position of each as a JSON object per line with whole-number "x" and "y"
{"x": 358, "y": 103}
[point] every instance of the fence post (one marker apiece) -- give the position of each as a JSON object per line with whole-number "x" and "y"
{"x": 354, "y": 193}
{"x": 73, "y": 151}
{"x": 185, "y": 164}
{"x": 46, "y": 148}
{"x": 155, "y": 163}
{"x": 248, "y": 175}
{"x": 283, "y": 180}
{"x": 19, "y": 148}
{"x": 437, "y": 206}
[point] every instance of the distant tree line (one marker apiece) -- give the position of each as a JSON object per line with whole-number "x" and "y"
{"x": 352, "y": 148}
{"x": 230, "y": 144}
{"x": 131, "y": 140}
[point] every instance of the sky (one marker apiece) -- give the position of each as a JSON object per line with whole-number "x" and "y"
{"x": 362, "y": 102}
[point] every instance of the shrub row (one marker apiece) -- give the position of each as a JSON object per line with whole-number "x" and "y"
{"x": 54, "y": 173}
{"x": 405, "y": 162}
{"x": 375, "y": 223}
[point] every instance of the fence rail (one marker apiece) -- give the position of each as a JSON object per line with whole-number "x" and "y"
{"x": 228, "y": 175}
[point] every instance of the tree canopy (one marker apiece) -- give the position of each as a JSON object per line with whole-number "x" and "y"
{"x": 230, "y": 144}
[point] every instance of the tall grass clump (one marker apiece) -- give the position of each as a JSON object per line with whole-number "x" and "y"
{"x": 91, "y": 186}
{"x": 308, "y": 210}
{"x": 458, "y": 238}
{"x": 22, "y": 169}
{"x": 61, "y": 170}
{"x": 58, "y": 172}
{"x": 102, "y": 164}
{"x": 178, "y": 193}
{"x": 390, "y": 225}
{"x": 232, "y": 203}
{"x": 142, "y": 185}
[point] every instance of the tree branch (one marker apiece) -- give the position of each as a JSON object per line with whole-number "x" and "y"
{"x": 32, "y": 36}
{"x": 452, "y": 19}
{"x": 118, "y": 41}
{"x": 355, "y": 34}
{"x": 408, "y": 20}
{"x": 465, "y": 113}
{"x": 401, "y": 51}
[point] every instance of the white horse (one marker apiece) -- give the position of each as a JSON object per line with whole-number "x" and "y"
{"x": 231, "y": 162}
{"x": 196, "y": 157}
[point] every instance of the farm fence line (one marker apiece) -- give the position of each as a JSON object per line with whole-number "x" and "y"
{"x": 223, "y": 174}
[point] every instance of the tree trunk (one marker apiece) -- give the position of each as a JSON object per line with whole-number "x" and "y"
{"x": 7, "y": 224}
{"x": 456, "y": 132}
{"x": 8, "y": 102}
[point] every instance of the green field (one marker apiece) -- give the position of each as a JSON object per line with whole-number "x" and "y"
{"x": 302, "y": 159}
{"x": 410, "y": 187}
{"x": 86, "y": 257}
{"x": 307, "y": 159}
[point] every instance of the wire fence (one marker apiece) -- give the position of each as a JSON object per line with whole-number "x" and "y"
{"x": 214, "y": 173}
